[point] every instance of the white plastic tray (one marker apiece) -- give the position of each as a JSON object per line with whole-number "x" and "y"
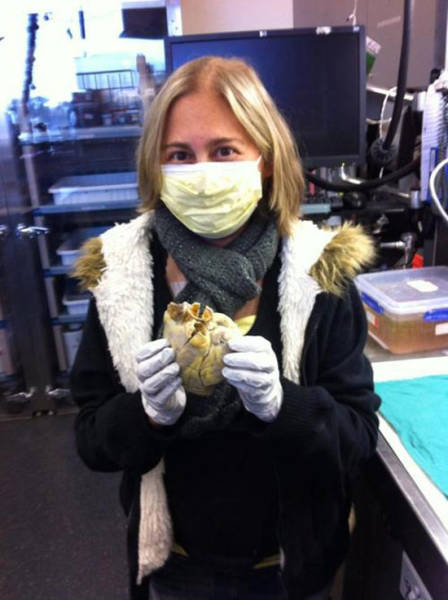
{"x": 76, "y": 307}
{"x": 100, "y": 187}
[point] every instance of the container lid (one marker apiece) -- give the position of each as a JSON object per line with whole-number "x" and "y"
{"x": 406, "y": 291}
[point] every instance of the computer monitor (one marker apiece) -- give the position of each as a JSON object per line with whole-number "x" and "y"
{"x": 316, "y": 76}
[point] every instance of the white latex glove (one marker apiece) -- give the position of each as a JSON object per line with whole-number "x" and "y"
{"x": 252, "y": 368}
{"x": 163, "y": 396}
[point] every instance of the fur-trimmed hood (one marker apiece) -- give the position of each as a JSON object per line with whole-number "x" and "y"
{"x": 117, "y": 267}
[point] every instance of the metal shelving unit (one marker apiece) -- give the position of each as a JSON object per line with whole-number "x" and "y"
{"x": 39, "y": 151}
{"x": 86, "y": 128}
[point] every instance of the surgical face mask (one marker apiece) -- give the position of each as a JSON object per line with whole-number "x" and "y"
{"x": 212, "y": 199}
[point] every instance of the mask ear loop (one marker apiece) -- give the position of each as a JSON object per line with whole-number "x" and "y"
{"x": 257, "y": 163}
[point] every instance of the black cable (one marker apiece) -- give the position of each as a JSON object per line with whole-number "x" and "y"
{"x": 28, "y": 79}
{"x": 365, "y": 185}
{"x": 82, "y": 24}
{"x": 29, "y": 60}
{"x": 380, "y": 151}
{"x": 402, "y": 74}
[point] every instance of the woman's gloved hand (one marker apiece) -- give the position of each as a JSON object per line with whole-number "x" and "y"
{"x": 252, "y": 368}
{"x": 163, "y": 396}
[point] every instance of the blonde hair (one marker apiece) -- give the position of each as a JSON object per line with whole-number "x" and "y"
{"x": 252, "y": 106}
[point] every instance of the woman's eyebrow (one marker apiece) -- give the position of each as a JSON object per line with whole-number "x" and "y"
{"x": 176, "y": 145}
{"x": 210, "y": 143}
{"x": 224, "y": 140}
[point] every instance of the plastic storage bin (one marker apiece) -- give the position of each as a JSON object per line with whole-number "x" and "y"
{"x": 407, "y": 310}
{"x": 100, "y": 187}
{"x": 75, "y": 301}
{"x": 69, "y": 250}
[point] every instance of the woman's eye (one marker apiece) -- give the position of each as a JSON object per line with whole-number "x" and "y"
{"x": 178, "y": 156}
{"x": 225, "y": 152}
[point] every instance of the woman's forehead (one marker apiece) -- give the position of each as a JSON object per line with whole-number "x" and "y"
{"x": 203, "y": 113}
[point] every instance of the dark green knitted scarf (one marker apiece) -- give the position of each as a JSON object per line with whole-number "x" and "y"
{"x": 223, "y": 278}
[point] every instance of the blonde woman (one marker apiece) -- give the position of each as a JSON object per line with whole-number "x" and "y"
{"x": 244, "y": 493}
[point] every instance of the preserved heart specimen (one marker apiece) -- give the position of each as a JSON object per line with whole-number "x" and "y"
{"x": 199, "y": 337}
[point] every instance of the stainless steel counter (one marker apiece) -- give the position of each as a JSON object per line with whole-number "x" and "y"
{"x": 413, "y": 488}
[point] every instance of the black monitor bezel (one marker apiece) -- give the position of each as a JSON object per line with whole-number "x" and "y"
{"x": 315, "y": 161}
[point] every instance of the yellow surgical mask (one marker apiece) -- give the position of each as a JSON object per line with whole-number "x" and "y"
{"x": 212, "y": 199}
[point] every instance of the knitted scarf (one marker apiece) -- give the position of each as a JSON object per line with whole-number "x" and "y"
{"x": 224, "y": 279}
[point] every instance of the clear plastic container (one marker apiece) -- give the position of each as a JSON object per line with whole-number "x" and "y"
{"x": 79, "y": 306}
{"x": 407, "y": 310}
{"x": 100, "y": 187}
{"x": 70, "y": 249}
{"x": 75, "y": 301}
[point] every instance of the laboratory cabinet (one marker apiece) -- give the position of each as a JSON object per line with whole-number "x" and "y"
{"x": 71, "y": 114}
{"x": 70, "y": 184}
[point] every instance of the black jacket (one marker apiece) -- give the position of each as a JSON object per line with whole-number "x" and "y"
{"x": 325, "y": 430}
